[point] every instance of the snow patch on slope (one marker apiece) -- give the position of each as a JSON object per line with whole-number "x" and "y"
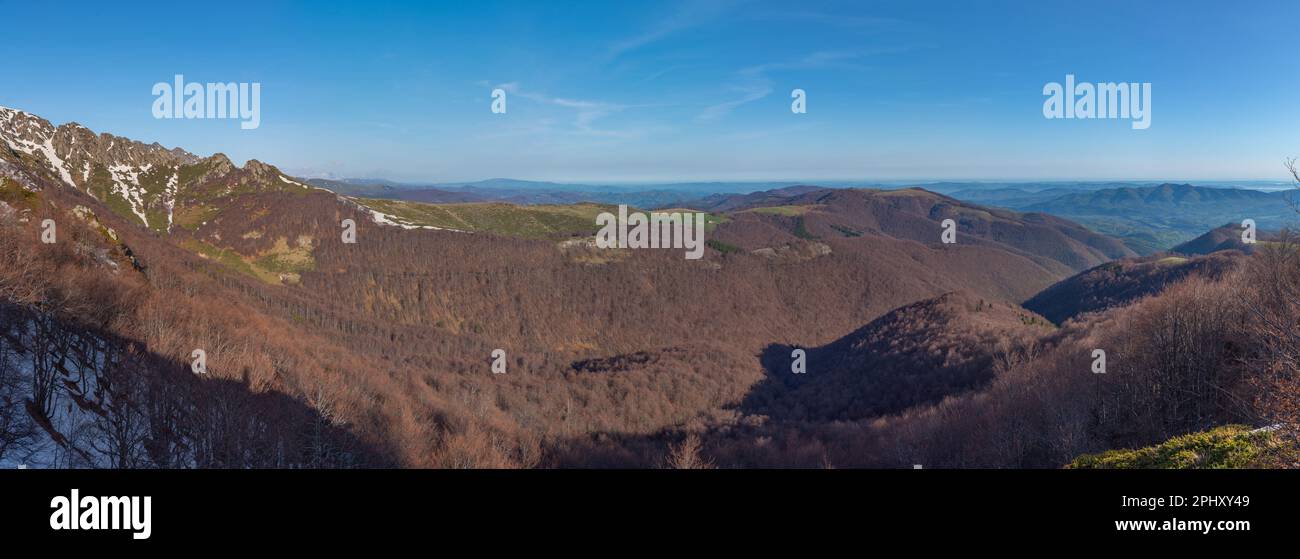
{"x": 392, "y": 220}
{"x": 170, "y": 196}
{"x": 45, "y": 147}
{"x": 287, "y": 180}
{"x": 126, "y": 182}
{"x": 386, "y": 219}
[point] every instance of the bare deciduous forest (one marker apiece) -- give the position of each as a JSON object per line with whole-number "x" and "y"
{"x": 379, "y": 353}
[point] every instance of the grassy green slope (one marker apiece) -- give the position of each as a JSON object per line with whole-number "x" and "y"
{"x": 1231, "y": 446}
{"x": 513, "y": 220}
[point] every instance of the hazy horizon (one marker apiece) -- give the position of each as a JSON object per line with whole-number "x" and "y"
{"x": 690, "y": 91}
{"x": 1265, "y": 185}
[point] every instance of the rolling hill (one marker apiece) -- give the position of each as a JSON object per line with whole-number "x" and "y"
{"x": 1119, "y": 283}
{"x": 1227, "y": 237}
{"x": 912, "y": 356}
{"x": 379, "y": 352}
{"x": 1152, "y": 218}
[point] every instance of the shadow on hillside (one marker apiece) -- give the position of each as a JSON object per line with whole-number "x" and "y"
{"x": 107, "y": 401}
{"x": 781, "y": 392}
{"x": 873, "y": 372}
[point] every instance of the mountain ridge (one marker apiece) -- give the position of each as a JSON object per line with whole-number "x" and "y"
{"x": 148, "y": 181}
{"x": 1151, "y": 219}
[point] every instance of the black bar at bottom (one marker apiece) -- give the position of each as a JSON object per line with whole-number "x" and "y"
{"x": 463, "y": 507}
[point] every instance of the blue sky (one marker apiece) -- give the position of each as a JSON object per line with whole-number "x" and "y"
{"x": 664, "y": 91}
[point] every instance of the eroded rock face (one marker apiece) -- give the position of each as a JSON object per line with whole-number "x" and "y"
{"x": 145, "y": 181}
{"x": 800, "y": 251}
{"x": 71, "y": 152}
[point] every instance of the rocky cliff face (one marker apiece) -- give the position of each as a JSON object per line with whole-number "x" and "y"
{"x": 146, "y": 181}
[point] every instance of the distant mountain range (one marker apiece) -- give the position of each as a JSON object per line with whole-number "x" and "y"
{"x": 321, "y": 352}
{"x": 1150, "y": 218}
{"x": 538, "y": 192}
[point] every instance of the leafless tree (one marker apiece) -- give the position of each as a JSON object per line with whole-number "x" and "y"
{"x": 685, "y": 455}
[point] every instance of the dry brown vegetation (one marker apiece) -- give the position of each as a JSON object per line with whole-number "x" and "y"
{"x": 380, "y": 356}
{"x": 1118, "y": 283}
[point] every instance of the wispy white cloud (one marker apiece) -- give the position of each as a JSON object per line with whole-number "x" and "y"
{"x": 686, "y": 16}
{"x": 759, "y": 88}
{"x": 586, "y": 112}
{"x": 753, "y": 82}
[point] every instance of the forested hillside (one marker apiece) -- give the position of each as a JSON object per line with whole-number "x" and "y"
{"x": 318, "y": 352}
